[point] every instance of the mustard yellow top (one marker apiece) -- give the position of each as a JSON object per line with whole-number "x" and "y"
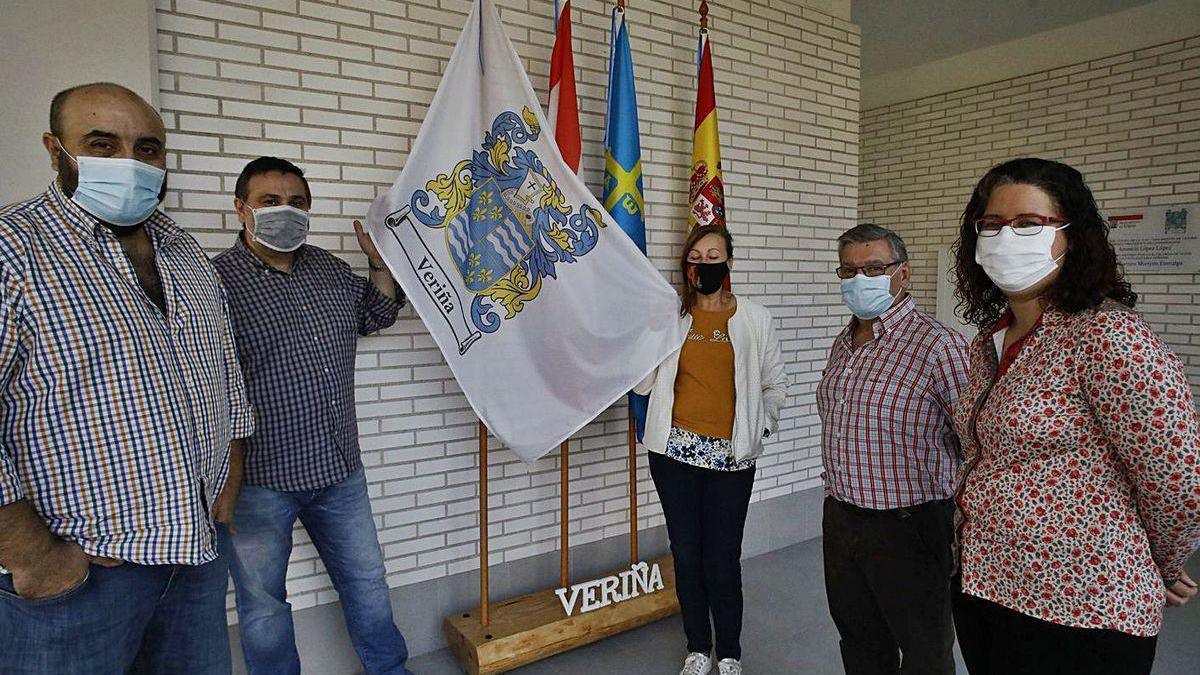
{"x": 704, "y": 390}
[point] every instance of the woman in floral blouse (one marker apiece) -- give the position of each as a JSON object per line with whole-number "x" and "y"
{"x": 1080, "y": 497}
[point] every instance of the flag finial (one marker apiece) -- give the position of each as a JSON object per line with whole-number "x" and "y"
{"x": 621, "y": 5}
{"x": 703, "y": 14}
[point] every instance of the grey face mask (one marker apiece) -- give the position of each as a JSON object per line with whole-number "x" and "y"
{"x": 280, "y": 228}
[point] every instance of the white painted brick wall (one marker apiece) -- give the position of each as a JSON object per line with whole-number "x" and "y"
{"x": 1130, "y": 122}
{"x": 341, "y": 88}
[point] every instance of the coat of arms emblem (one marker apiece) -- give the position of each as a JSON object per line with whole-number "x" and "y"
{"x": 1175, "y": 222}
{"x": 507, "y": 226}
{"x": 708, "y": 197}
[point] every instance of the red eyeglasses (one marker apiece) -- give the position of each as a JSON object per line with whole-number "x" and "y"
{"x": 1025, "y": 224}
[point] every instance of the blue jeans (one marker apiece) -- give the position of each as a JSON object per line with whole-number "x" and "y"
{"x": 167, "y": 619}
{"x": 338, "y": 520}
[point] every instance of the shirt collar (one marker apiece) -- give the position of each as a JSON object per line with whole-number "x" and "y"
{"x": 896, "y": 315}
{"x": 163, "y": 231}
{"x": 1051, "y": 316}
{"x": 1005, "y": 321}
{"x": 889, "y": 321}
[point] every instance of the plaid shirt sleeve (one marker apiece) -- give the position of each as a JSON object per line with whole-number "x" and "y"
{"x": 242, "y": 413}
{"x": 950, "y": 371}
{"x": 11, "y": 489}
{"x": 376, "y": 311}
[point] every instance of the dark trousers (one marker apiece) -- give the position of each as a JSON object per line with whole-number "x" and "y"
{"x": 124, "y": 620}
{"x": 887, "y": 578}
{"x": 996, "y": 640}
{"x": 706, "y": 513}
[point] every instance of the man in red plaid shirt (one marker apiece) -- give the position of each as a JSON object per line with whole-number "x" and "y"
{"x": 890, "y": 456}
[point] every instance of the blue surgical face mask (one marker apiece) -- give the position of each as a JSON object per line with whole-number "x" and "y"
{"x": 122, "y": 192}
{"x": 868, "y": 297}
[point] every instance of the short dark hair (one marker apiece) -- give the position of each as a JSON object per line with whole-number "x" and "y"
{"x": 60, "y": 101}
{"x": 1090, "y": 271}
{"x": 262, "y": 165}
{"x": 865, "y": 233}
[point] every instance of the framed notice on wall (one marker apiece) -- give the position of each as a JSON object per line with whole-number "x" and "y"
{"x": 1162, "y": 239}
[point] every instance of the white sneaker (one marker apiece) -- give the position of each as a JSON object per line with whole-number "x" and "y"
{"x": 729, "y": 667}
{"x": 696, "y": 664}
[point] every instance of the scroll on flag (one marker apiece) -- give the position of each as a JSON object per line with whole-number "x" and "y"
{"x": 707, "y": 191}
{"x": 545, "y": 313}
{"x": 564, "y": 105}
{"x": 623, "y": 197}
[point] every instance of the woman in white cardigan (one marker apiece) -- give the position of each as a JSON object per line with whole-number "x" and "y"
{"x": 712, "y": 403}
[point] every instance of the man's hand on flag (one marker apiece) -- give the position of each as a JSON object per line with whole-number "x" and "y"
{"x": 367, "y": 246}
{"x": 378, "y": 274}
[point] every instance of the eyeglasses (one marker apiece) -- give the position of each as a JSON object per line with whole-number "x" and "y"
{"x": 1025, "y": 225}
{"x": 869, "y": 270}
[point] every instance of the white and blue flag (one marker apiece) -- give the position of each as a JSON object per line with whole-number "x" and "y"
{"x": 546, "y": 312}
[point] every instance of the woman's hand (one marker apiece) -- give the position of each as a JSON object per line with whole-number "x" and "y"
{"x": 1181, "y": 591}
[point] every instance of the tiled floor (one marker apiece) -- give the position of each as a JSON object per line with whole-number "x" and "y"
{"x": 787, "y": 631}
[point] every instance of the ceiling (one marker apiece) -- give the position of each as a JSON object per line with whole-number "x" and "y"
{"x": 898, "y": 34}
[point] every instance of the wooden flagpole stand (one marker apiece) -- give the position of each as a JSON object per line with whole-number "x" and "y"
{"x": 522, "y": 630}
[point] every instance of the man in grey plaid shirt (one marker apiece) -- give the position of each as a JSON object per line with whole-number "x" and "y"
{"x": 297, "y": 312}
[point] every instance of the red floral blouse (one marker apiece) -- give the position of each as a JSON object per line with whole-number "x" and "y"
{"x": 1080, "y": 492}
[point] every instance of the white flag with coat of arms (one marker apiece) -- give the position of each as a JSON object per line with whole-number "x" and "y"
{"x": 545, "y": 310}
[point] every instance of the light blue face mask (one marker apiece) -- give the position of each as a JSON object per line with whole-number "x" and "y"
{"x": 868, "y": 297}
{"x": 118, "y": 191}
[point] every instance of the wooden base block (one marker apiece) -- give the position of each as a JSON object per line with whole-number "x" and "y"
{"x": 534, "y": 626}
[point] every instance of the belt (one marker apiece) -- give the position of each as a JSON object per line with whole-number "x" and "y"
{"x": 895, "y": 514}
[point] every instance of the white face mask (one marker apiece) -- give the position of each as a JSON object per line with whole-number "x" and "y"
{"x": 1017, "y": 262}
{"x": 280, "y": 228}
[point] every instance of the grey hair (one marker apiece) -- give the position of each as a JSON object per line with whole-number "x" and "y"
{"x": 868, "y": 232}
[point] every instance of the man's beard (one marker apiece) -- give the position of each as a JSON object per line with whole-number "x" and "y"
{"x": 68, "y": 180}
{"x": 68, "y": 176}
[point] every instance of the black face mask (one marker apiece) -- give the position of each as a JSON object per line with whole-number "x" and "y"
{"x": 711, "y": 276}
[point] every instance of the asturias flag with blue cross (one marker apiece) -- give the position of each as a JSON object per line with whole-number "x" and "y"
{"x": 623, "y": 160}
{"x": 622, "y": 145}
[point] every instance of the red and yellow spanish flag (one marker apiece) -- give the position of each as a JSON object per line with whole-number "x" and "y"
{"x": 707, "y": 192}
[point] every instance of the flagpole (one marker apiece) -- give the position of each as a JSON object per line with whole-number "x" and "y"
{"x": 564, "y": 555}
{"x": 483, "y": 524}
{"x": 633, "y": 500}
{"x": 632, "y": 433}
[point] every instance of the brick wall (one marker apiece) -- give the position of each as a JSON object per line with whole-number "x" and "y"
{"x": 1130, "y": 122}
{"x": 341, "y": 88}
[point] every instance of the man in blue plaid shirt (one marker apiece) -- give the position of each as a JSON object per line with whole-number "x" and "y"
{"x": 297, "y": 314}
{"x": 120, "y": 396}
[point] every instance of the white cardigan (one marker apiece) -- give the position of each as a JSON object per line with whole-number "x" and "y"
{"x": 760, "y": 383}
